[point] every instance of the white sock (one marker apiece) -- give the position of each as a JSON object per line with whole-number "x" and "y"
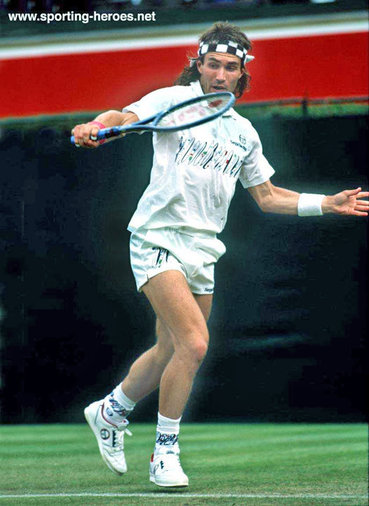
{"x": 167, "y": 432}
{"x": 117, "y": 406}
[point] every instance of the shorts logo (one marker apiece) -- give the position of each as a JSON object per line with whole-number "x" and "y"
{"x": 162, "y": 256}
{"x": 105, "y": 434}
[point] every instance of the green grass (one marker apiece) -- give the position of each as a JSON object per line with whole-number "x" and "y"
{"x": 315, "y": 464}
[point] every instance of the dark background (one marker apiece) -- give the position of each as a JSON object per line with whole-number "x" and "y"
{"x": 289, "y": 319}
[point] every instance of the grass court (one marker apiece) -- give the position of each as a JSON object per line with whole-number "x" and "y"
{"x": 227, "y": 464}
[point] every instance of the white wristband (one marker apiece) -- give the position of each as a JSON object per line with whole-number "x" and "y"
{"x": 310, "y": 204}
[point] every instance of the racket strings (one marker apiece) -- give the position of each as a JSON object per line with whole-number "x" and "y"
{"x": 190, "y": 113}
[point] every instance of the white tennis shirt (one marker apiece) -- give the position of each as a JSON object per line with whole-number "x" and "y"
{"x": 195, "y": 171}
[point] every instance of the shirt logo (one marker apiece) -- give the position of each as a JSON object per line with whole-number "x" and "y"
{"x": 209, "y": 155}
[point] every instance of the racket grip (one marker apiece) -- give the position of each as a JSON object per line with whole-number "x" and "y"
{"x": 107, "y": 133}
{"x": 104, "y": 133}
{"x": 72, "y": 140}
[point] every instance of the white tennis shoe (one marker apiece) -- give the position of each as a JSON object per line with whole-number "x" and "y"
{"x": 166, "y": 469}
{"x": 110, "y": 438}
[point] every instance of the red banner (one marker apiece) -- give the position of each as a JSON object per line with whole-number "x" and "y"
{"x": 314, "y": 66}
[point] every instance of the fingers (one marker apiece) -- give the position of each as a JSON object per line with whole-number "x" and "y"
{"x": 357, "y": 193}
{"x": 362, "y": 203}
{"x": 93, "y": 133}
{"x": 351, "y": 193}
{"x": 362, "y": 195}
{"x": 85, "y": 135}
{"x": 362, "y": 210}
{"x": 361, "y": 207}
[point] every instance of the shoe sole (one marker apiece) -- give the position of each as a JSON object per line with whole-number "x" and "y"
{"x": 161, "y": 484}
{"x": 90, "y": 420}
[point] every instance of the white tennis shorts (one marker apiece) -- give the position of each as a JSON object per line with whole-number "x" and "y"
{"x": 194, "y": 254}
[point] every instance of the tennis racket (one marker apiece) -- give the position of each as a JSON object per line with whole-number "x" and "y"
{"x": 188, "y": 114}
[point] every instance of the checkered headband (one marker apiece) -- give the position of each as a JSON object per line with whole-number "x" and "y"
{"x": 229, "y": 47}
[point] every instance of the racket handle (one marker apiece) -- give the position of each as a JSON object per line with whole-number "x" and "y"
{"x": 104, "y": 133}
{"x": 107, "y": 133}
{"x": 72, "y": 140}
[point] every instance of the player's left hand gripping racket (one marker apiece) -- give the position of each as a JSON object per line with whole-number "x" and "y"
{"x": 188, "y": 114}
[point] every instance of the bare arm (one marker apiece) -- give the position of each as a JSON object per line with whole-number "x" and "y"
{"x": 83, "y": 133}
{"x": 272, "y": 199}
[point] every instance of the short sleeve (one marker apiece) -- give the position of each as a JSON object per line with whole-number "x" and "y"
{"x": 152, "y": 103}
{"x": 256, "y": 168}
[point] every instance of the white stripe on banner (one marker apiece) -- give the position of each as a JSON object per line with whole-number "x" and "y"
{"x": 310, "y": 29}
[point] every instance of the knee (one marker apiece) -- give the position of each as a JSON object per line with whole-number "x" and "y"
{"x": 190, "y": 345}
{"x": 199, "y": 350}
{"x": 195, "y": 350}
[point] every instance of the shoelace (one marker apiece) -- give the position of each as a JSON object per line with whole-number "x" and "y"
{"x": 118, "y": 434}
{"x": 123, "y": 428}
{"x": 171, "y": 459}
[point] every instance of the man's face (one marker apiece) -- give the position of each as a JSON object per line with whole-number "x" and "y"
{"x": 219, "y": 72}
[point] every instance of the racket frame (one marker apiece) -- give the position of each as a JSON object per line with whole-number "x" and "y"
{"x": 151, "y": 124}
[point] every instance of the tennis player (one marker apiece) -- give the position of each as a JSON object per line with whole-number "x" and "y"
{"x": 174, "y": 245}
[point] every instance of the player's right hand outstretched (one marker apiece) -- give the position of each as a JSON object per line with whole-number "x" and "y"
{"x": 85, "y": 135}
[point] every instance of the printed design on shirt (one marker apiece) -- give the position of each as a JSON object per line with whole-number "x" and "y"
{"x": 162, "y": 256}
{"x": 209, "y": 155}
{"x": 242, "y": 146}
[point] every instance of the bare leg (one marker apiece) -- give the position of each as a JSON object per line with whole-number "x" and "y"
{"x": 145, "y": 373}
{"x": 178, "y": 310}
{"x": 172, "y": 362}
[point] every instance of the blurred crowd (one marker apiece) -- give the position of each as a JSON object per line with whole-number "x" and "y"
{"x": 118, "y": 5}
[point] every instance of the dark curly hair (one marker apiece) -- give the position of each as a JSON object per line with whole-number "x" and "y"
{"x": 219, "y": 33}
